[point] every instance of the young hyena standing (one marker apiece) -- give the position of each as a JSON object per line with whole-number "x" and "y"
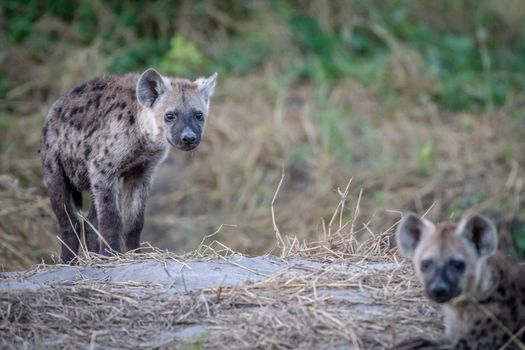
{"x": 482, "y": 290}
{"x": 110, "y": 129}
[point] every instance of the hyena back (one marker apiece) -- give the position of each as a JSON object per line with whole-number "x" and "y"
{"x": 107, "y": 136}
{"x": 481, "y": 289}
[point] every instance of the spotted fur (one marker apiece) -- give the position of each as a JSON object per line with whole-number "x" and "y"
{"x": 107, "y": 136}
{"x": 481, "y": 289}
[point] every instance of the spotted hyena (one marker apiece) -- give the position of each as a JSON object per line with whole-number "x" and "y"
{"x": 481, "y": 289}
{"x": 107, "y": 136}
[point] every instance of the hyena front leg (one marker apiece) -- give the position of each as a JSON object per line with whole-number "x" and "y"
{"x": 106, "y": 199}
{"x": 135, "y": 193}
{"x": 92, "y": 240}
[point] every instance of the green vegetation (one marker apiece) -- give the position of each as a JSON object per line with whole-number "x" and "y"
{"x": 475, "y": 62}
{"x": 415, "y": 100}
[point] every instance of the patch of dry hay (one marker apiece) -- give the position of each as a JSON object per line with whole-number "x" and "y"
{"x": 360, "y": 296}
{"x": 315, "y": 309}
{"x": 26, "y": 225}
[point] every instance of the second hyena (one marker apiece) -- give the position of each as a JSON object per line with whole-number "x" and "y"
{"x": 107, "y": 136}
{"x": 481, "y": 289}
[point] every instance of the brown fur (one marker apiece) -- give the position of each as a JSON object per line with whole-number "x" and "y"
{"x": 110, "y": 130}
{"x": 488, "y": 306}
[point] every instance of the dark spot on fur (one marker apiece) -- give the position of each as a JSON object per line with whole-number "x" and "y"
{"x": 99, "y": 85}
{"x": 110, "y": 164}
{"x": 110, "y": 109}
{"x": 106, "y": 151}
{"x": 119, "y": 116}
{"x": 486, "y": 301}
{"x": 87, "y": 151}
{"x": 79, "y": 89}
{"x": 44, "y": 129}
{"x": 91, "y": 131}
{"x": 78, "y": 143}
{"x": 103, "y": 171}
{"x": 131, "y": 119}
{"x": 97, "y": 100}
{"x": 63, "y": 116}
{"x": 74, "y": 111}
{"x": 463, "y": 343}
{"x": 123, "y": 104}
{"x": 501, "y": 290}
{"x": 106, "y": 198}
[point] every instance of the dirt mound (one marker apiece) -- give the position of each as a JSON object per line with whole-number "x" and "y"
{"x": 160, "y": 300}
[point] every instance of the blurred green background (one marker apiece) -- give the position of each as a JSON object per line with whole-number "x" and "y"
{"x": 420, "y": 102}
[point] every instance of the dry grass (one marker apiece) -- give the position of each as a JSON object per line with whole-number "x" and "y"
{"x": 280, "y": 312}
{"x": 343, "y": 294}
{"x": 361, "y": 296}
{"x": 26, "y": 225}
{"x": 402, "y": 151}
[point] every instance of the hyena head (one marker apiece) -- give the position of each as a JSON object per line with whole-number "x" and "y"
{"x": 178, "y": 107}
{"x": 448, "y": 258}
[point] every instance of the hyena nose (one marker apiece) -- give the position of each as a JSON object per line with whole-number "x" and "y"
{"x": 440, "y": 292}
{"x": 189, "y": 137}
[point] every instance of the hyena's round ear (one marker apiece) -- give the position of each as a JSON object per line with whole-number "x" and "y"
{"x": 207, "y": 86}
{"x": 150, "y": 87}
{"x": 410, "y": 232}
{"x": 481, "y": 233}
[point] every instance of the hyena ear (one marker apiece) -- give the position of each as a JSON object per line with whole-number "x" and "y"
{"x": 207, "y": 86}
{"x": 150, "y": 87}
{"x": 410, "y": 232}
{"x": 481, "y": 233}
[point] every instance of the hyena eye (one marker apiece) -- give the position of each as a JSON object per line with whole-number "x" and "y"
{"x": 457, "y": 265}
{"x": 199, "y": 116}
{"x": 169, "y": 116}
{"x": 426, "y": 265}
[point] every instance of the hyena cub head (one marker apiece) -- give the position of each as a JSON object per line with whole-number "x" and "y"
{"x": 448, "y": 258}
{"x": 176, "y": 107}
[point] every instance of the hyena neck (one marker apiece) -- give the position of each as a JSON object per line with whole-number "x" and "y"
{"x": 148, "y": 129}
{"x": 482, "y": 287}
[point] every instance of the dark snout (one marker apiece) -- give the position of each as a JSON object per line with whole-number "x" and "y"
{"x": 441, "y": 288}
{"x": 439, "y": 292}
{"x": 189, "y": 140}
